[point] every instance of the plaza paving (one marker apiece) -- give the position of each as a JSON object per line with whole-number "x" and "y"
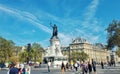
{"x": 109, "y": 70}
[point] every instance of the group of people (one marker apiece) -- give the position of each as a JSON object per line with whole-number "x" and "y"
{"x": 83, "y": 67}
{"x": 111, "y": 63}
{"x": 108, "y": 63}
{"x": 16, "y": 68}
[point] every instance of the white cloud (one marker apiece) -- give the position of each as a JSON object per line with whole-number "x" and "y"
{"x": 89, "y": 19}
{"x": 91, "y": 9}
{"x": 25, "y": 16}
{"x": 33, "y": 19}
{"x": 65, "y": 38}
{"x": 33, "y": 31}
{"x": 89, "y": 15}
{"x": 94, "y": 38}
{"x": 89, "y": 36}
{"x": 89, "y": 24}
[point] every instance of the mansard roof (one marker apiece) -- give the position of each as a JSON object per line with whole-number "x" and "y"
{"x": 79, "y": 40}
{"x": 100, "y": 45}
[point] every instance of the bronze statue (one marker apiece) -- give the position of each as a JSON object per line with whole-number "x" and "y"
{"x": 55, "y": 31}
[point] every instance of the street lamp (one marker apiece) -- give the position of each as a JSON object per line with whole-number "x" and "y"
{"x": 94, "y": 48}
{"x": 28, "y": 50}
{"x": 69, "y": 53}
{"x": 112, "y": 55}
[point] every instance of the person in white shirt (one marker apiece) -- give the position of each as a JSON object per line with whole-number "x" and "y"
{"x": 49, "y": 64}
{"x": 76, "y": 65}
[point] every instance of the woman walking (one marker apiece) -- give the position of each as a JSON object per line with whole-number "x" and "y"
{"x": 63, "y": 68}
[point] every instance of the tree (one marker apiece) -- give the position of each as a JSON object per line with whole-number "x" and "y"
{"x": 5, "y": 49}
{"x": 73, "y": 55}
{"x": 34, "y": 53}
{"x": 66, "y": 53}
{"x": 17, "y": 50}
{"x": 23, "y": 56}
{"x": 118, "y": 52}
{"x": 113, "y": 34}
{"x": 38, "y": 50}
{"x": 83, "y": 56}
{"x": 79, "y": 56}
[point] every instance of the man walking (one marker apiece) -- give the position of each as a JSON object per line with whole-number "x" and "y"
{"x": 94, "y": 66}
{"x": 49, "y": 64}
{"x": 102, "y": 64}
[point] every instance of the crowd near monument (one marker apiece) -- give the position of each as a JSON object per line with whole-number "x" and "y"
{"x": 53, "y": 52}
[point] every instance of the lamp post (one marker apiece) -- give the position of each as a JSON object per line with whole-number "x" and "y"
{"x": 28, "y": 50}
{"x": 95, "y": 55}
{"x": 112, "y": 55}
{"x": 69, "y": 53}
{"x": 94, "y": 48}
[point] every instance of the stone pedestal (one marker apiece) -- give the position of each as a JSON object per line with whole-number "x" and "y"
{"x": 54, "y": 52}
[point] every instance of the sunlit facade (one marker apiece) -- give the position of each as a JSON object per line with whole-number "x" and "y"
{"x": 96, "y": 51}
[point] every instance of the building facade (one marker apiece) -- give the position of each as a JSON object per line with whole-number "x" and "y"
{"x": 96, "y": 51}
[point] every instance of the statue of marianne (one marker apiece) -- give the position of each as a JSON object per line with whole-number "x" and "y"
{"x": 55, "y": 31}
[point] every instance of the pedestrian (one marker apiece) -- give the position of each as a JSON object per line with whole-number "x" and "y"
{"x": 94, "y": 66}
{"x": 114, "y": 62}
{"x": 71, "y": 65}
{"x": 76, "y": 65}
{"x": 80, "y": 67}
{"x": 40, "y": 64}
{"x": 21, "y": 69}
{"x": 67, "y": 66}
{"x": 102, "y": 64}
{"x": 26, "y": 69}
{"x": 10, "y": 65}
{"x": 49, "y": 64}
{"x": 14, "y": 69}
{"x": 89, "y": 67}
{"x": 63, "y": 68}
{"x": 84, "y": 67}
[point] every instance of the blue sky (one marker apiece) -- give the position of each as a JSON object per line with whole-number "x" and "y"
{"x": 27, "y": 21}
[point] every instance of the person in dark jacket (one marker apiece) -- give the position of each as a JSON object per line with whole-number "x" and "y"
{"x": 14, "y": 69}
{"x": 89, "y": 67}
{"x": 102, "y": 64}
{"x": 94, "y": 66}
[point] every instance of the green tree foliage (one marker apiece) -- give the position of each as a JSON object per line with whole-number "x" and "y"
{"x": 79, "y": 56}
{"x": 113, "y": 34}
{"x": 35, "y": 53}
{"x": 66, "y": 53}
{"x": 118, "y": 52}
{"x": 6, "y": 47}
{"x": 23, "y": 56}
{"x": 17, "y": 50}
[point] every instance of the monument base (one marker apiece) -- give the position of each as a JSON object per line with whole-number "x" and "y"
{"x": 56, "y": 61}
